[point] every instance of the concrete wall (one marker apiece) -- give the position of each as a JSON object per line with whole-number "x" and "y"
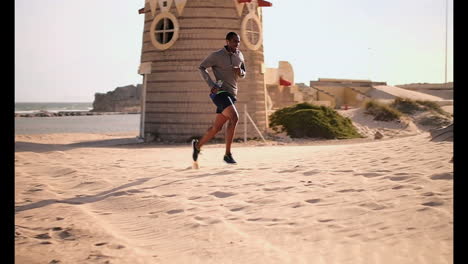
{"x": 353, "y": 98}
{"x": 285, "y": 70}
{"x": 281, "y": 96}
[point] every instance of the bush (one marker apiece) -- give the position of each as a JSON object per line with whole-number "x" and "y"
{"x": 406, "y": 105}
{"x": 435, "y": 120}
{"x": 307, "y": 120}
{"x": 382, "y": 112}
{"x": 433, "y": 106}
{"x": 409, "y": 106}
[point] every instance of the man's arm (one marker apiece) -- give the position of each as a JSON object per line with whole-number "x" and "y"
{"x": 242, "y": 71}
{"x": 206, "y": 63}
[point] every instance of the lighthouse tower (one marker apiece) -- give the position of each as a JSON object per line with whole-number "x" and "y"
{"x": 177, "y": 36}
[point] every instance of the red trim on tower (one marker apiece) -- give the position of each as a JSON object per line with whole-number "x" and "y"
{"x": 261, "y": 3}
{"x": 264, "y": 3}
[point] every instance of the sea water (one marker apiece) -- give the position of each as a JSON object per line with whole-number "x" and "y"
{"x": 34, "y": 107}
{"x": 71, "y": 124}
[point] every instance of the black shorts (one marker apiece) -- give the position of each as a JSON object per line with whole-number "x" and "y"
{"x": 223, "y": 100}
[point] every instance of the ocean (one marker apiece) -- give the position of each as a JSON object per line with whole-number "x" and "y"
{"x": 115, "y": 123}
{"x": 33, "y": 107}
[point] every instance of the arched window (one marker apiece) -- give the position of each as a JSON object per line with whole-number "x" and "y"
{"x": 252, "y": 32}
{"x": 164, "y": 30}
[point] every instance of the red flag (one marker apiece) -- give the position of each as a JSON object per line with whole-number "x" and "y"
{"x": 284, "y": 82}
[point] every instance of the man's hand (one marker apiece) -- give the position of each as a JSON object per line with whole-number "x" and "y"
{"x": 236, "y": 70}
{"x": 214, "y": 90}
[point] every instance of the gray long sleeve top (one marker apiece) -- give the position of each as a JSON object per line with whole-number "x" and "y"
{"x": 222, "y": 62}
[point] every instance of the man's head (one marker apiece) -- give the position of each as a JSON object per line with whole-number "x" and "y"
{"x": 232, "y": 41}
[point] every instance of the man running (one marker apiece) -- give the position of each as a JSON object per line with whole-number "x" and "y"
{"x": 227, "y": 65}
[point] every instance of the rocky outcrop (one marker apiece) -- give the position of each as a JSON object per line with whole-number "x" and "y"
{"x": 122, "y": 99}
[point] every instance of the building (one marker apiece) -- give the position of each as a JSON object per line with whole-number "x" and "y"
{"x": 342, "y": 93}
{"x": 177, "y": 36}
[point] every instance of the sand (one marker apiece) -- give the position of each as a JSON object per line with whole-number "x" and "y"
{"x": 104, "y": 198}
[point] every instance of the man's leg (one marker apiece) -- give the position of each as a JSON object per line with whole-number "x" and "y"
{"x": 230, "y": 113}
{"x": 217, "y": 126}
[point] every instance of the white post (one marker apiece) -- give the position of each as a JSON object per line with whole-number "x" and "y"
{"x": 253, "y": 123}
{"x": 143, "y": 108}
{"x": 446, "y": 30}
{"x": 245, "y": 123}
{"x": 144, "y": 69}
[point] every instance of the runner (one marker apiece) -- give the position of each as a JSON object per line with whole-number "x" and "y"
{"x": 227, "y": 65}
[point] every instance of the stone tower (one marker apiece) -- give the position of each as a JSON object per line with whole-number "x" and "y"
{"x": 177, "y": 36}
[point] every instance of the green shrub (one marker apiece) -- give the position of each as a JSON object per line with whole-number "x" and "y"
{"x": 406, "y": 105}
{"x": 307, "y": 120}
{"x": 382, "y": 112}
{"x": 435, "y": 120}
{"x": 409, "y": 106}
{"x": 433, "y": 106}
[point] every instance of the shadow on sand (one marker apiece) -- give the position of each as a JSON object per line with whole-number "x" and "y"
{"x": 128, "y": 142}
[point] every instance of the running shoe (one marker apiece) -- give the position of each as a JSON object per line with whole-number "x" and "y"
{"x": 228, "y": 159}
{"x": 196, "y": 151}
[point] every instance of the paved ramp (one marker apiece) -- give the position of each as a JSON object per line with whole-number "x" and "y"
{"x": 390, "y": 92}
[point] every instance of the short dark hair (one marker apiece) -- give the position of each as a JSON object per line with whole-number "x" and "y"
{"x": 231, "y": 35}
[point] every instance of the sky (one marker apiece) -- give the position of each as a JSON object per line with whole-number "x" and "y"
{"x": 67, "y": 50}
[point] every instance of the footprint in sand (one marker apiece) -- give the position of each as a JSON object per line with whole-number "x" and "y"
{"x": 351, "y": 190}
{"x": 238, "y": 209}
{"x": 398, "y": 178}
{"x": 115, "y": 246}
{"x": 33, "y": 190}
{"x": 369, "y": 174}
{"x": 313, "y": 201}
{"x": 42, "y": 236}
{"x": 135, "y": 191}
{"x": 296, "y": 205}
{"x": 442, "y": 176}
{"x": 66, "y": 235}
{"x": 205, "y": 221}
{"x": 277, "y": 188}
{"x": 222, "y": 194}
{"x": 433, "y": 203}
{"x": 176, "y": 211}
{"x": 288, "y": 171}
{"x": 325, "y": 220}
{"x": 309, "y": 173}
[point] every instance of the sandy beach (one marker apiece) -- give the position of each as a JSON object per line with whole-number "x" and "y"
{"x": 104, "y": 198}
